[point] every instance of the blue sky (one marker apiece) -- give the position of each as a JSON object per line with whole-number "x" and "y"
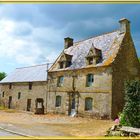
{"x": 33, "y": 34}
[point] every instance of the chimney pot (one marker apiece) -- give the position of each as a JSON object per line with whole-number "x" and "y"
{"x": 68, "y": 42}
{"x": 124, "y": 25}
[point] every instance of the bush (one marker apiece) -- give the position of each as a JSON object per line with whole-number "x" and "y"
{"x": 131, "y": 112}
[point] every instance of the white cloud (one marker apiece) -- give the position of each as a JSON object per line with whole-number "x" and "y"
{"x": 27, "y": 49}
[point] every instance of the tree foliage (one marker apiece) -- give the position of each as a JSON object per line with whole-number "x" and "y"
{"x": 131, "y": 112}
{"x": 2, "y": 75}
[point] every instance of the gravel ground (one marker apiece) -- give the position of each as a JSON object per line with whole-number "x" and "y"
{"x": 52, "y": 125}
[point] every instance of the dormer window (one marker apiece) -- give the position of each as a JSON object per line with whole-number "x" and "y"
{"x": 94, "y": 56}
{"x": 90, "y": 60}
{"x": 68, "y": 63}
{"x": 61, "y": 65}
{"x": 65, "y": 61}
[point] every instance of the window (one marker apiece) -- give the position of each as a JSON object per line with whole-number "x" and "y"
{"x": 58, "y": 101}
{"x": 94, "y": 56}
{"x": 19, "y": 95}
{"x": 10, "y": 86}
{"x": 65, "y": 60}
{"x": 90, "y": 80}
{"x": 90, "y": 60}
{"x": 3, "y": 94}
{"x": 68, "y": 63}
{"x": 60, "y": 81}
{"x": 61, "y": 65}
{"x": 30, "y": 86}
{"x": 88, "y": 104}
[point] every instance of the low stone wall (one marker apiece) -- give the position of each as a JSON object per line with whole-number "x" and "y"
{"x": 118, "y": 130}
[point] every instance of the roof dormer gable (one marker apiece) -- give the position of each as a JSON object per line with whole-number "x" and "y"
{"x": 94, "y": 56}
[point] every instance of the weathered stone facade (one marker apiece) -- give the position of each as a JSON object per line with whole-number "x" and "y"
{"x": 100, "y": 92}
{"x": 107, "y": 90}
{"x": 39, "y": 90}
{"x": 87, "y": 79}
{"x": 25, "y": 89}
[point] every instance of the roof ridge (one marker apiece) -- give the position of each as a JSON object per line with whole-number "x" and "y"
{"x": 96, "y": 36}
{"x": 31, "y": 66}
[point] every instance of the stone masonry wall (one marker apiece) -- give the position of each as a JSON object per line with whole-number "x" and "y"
{"x": 125, "y": 67}
{"x": 39, "y": 90}
{"x": 100, "y": 91}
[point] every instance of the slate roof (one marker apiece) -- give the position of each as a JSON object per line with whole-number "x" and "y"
{"x": 108, "y": 43}
{"x": 27, "y": 74}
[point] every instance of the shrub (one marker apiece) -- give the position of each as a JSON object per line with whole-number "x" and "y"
{"x": 131, "y": 112}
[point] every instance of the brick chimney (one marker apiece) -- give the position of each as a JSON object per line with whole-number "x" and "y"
{"x": 124, "y": 25}
{"x": 68, "y": 42}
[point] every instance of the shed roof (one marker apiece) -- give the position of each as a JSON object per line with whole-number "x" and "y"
{"x": 108, "y": 43}
{"x": 27, "y": 74}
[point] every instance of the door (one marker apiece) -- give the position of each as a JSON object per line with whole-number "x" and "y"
{"x": 10, "y": 102}
{"x": 39, "y": 106}
{"x": 28, "y": 104}
{"x": 73, "y": 111}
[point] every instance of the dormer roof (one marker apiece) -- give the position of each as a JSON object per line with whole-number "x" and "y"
{"x": 108, "y": 43}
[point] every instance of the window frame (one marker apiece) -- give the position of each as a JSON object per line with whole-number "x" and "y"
{"x": 59, "y": 83}
{"x": 3, "y": 94}
{"x": 58, "y": 101}
{"x": 30, "y": 85}
{"x": 68, "y": 64}
{"x": 10, "y": 85}
{"x": 19, "y": 95}
{"x": 89, "y": 59}
{"x": 88, "y": 100}
{"x": 89, "y": 80}
{"x": 61, "y": 65}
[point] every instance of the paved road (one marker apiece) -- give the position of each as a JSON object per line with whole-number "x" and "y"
{"x": 5, "y": 133}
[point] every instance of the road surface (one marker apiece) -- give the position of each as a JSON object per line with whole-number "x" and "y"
{"x": 5, "y": 133}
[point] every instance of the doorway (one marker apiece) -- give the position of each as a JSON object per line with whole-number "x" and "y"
{"x": 72, "y": 105}
{"x": 10, "y": 102}
{"x": 28, "y": 104}
{"x": 39, "y": 102}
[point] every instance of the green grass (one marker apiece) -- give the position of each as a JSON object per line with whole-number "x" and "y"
{"x": 2, "y": 108}
{"x": 7, "y": 110}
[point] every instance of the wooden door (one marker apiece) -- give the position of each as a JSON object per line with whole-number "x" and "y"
{"x": 10, "y": 102}
{"x": 28, "y": 104}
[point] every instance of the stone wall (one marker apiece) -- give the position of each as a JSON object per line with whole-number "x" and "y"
{"x": 39, "y": 90}
{"x": 101, "y": 105}
{"x": 100, "y": 91}
{"x": 102, "y": 80}
{"x": 125, "y": 67}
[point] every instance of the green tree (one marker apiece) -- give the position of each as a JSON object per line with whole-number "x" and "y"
{"x": 131, "y": 112}
{"x": 139, "y": 59}
{"x": 2, "y": 75}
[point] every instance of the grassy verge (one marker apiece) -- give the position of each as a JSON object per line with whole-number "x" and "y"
{"x": 7, "y": 110}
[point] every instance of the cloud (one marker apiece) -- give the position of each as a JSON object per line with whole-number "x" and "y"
{"x": 33, "y": 33}
{"x": 26, "y": 46}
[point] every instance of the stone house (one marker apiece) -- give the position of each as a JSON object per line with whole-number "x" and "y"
{"x": 87, "y": 79}
{"x": 25, "y": 88}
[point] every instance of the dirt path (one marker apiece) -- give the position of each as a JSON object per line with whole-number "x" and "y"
{"x": 52, "y": 125}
